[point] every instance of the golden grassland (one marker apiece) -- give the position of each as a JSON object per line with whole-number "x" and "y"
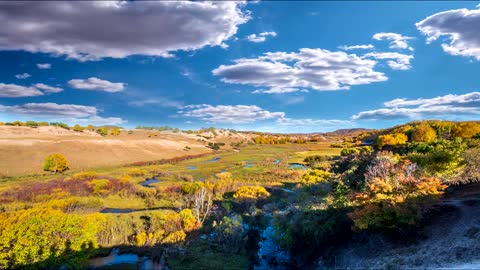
{"x": 231, "y": 161}
{"x": 22, "y": 149}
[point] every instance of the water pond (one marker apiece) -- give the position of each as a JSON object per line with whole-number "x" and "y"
{"x": 149, "y": 181}
{"x": 117, "y": 210}
{"x": 247, "y": 164}
{"x": 125, "y": 261}
{"x": 296, "y": 166}
{"x": 215, "y": 159}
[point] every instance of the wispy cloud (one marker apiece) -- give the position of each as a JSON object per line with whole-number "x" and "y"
{"x": 397, "y": 41}
{"x": 357, "y": 47}
{"x": 51, "y": 109}
{"x": 15, "y": 90}
{"x": 157, "y": 102}
{"x": 70, "y": 113}
{"x": 262, "y": 37}
{"x": 48, "y": 88}
{"x": 398, "y": 61}
{"x": 23, "y": 76}
{"x": 44, "y": 66}
{"x": 448, "y": 105}
{"x": 94, "y": 83}
{"x": 229, "y": 114}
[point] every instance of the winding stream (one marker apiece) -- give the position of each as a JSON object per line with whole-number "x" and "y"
{"x": 270, "y": 253}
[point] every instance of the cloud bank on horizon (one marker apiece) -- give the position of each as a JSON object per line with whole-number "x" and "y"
{"x": 192, "y": 64}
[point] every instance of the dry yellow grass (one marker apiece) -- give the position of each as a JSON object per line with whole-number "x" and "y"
{"x": 22, "y": 149}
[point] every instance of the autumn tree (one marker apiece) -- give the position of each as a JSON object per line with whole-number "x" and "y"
{"x": 424, "y": 133}
{"x": 466, "y": 130}
{"x": 391, "y": 139}
{"x": 55, "y": 163}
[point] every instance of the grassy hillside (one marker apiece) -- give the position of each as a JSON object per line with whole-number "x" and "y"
{"x": 24, "y": 148}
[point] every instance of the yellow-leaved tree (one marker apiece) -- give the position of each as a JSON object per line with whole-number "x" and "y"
{"x": 56, "y": 163}
{"x": 424, "y": 133}
{"x": 391, "y": 139}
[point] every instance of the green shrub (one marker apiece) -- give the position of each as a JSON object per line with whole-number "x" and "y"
{"x": 78, "y": 128}
{"x": 32, "y": 124}
{"x": 59, "y": 124}
{"x": 102, "y": 131}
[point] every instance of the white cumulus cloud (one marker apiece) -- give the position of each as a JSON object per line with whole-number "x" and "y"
{"x": 229, "y": 114}
{"x": 94, "y": 83}
{"x": 316, "y": 69}
{"x": 15, "y": 90}
{"x": 459, "y": 26}
{"x": 91, "y": 30}
{"x": 448, "y": 105}
{"x": 246, "y": 114}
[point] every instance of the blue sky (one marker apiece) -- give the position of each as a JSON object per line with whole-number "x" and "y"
{"x": 268, "y": 66}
